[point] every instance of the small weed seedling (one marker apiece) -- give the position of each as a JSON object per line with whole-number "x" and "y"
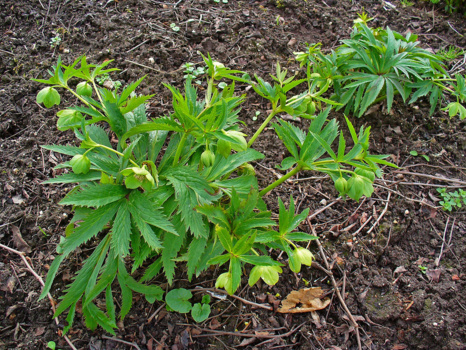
{"x": 55, "y": 41}
{"x": 452, "y": 200}
{"x": 423, "y": 269}
{"x": 174, "y": 27}
{"x": 415, "y": 154}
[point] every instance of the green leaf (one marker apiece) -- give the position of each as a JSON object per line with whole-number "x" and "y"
{"x": 95, "y": 195}
{"x": 195, "y": 251}
{"x": 91, "y": 267}
{"x": 92, "y": 224}
{"x": 49, "y": 96}
{"x": 178, "y": 300}
{"x": 126, "y": 297}
{"x": 261, "y": 260}
{"x": 172, "y": 245}
{"x": 200, "y": 312}
{"x": 235, "y": 268}
{"x": 71, "y": 178}
{"x": 121, "y": 231}
{"x": 152, "y": 270}
{"x": 116, "y": 119}
{"x": 224, "y": 237}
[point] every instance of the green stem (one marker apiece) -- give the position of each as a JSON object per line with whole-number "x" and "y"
{"x": 79, "y": 97}
{"x": 97, "y": 92}
{"x": 119, "y": 153}
{"x": 444, "y": 88}
{"x": 262, "y": 127}
{"x": 180, "y": 149}
{"x": 280, "y": 181}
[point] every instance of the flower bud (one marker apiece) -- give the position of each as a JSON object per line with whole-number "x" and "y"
{"x": 341, "y": 185}
{"x": 208, "y": 158}
{"x": 84, "y": 89}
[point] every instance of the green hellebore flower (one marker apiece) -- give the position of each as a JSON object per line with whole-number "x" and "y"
{"x": 84, "y": 89}
{"x": 305, "y": 256}
{"x": 80, "y": 164}
{"x": 138, "y": 177}
{"x": 269, "y": 274}
{"x": 341, "y": 185}
{"x": 240, "y": 144}
{"x": 223, "y": 280}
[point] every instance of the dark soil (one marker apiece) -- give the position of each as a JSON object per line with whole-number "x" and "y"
{"x": 403, "y": 282}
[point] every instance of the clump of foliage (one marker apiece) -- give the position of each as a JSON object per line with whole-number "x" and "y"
{"x": 453, "y": 5}
{"x": 182, "y": 187}
{"x": 452, "y": 200}
{"x": 376, "y": 64}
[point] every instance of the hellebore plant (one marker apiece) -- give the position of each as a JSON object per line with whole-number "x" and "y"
{"x": 182, "y": 187}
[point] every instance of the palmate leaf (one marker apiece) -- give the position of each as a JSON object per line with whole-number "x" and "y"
{"x": 172, "y": 246}
{"x": 95, "y": 195}
{"x": 92, "y": 224}
{"x": 121, "y": 231}
{"x": 106, "y": 278}
{"x": 191, "y": 190}
{"x": 149, "y": 212}
{"x": 71, "y": 178}
{"x": 77, "y": 288}
{"x": 195, "y": 251}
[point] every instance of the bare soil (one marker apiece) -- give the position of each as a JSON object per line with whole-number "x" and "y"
{"x": 401, "y": 279}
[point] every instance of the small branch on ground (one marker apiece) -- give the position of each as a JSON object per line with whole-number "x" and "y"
{"x": 41, "y": 281}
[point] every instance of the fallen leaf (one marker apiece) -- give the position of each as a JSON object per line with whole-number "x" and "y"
{"x": 455, "y": 278}
{"x": 304, "y": 300}
{"x": 434, "y": 275}
{"x": 399, "y": 269}
{"x": 39, "y": 331}
{"x": 399, "y": 347}
{"x": 18, "y": 240}
{"x": 9, "y": 286}
{"x": 247, "y": 341}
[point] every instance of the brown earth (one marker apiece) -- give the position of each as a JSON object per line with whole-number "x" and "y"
{"x": 403, "y": 281}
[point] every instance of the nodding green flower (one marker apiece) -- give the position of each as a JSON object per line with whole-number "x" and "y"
{"x": 305, "y": 256}
{"x": 223, "y": 280}
{"x": 80, "y": 164}
{"x": 269, "y": 274}
{"x": 246, "y": 169}
{"x": 240, "y": 144}
{"x": 341, "y": 185}
{"x": 138, "y": 177}
{"x": 84, "y": 89}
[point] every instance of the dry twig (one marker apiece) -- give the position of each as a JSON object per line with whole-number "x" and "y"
{"x": 41, "y": 281}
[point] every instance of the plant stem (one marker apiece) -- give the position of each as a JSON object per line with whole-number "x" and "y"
{"x": 180, "y": 149}
{"x": 97, "y": 92}
{"x": 262, "y": 127}
{"x": 119, "y": 153}
{"x": 280, "y": 181}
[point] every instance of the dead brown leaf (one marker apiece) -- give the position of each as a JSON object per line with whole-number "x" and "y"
{"x": 304, "y": 300}
{"x": 9, "y": 286}
{"x": 434, "y": 275}
{"x": 18, "y": 240}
